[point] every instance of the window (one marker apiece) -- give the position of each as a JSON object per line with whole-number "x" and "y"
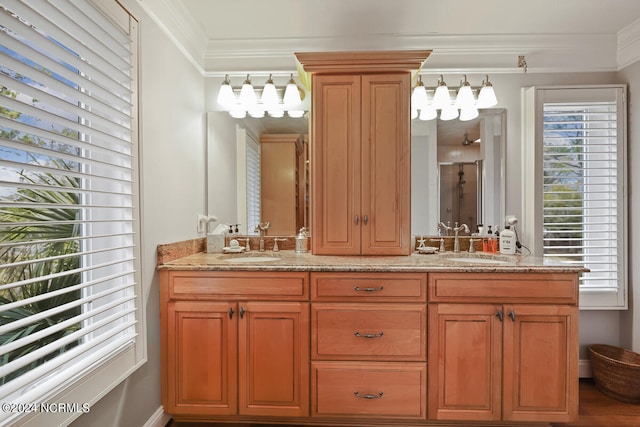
{"x": 580, "y": 186}
{"x": 248, "y": 184}
{"x": 69, "y": 253}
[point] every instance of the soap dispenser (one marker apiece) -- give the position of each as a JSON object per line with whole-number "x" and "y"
{"x": 507, "y": 241}
{"x": 302, "y": 240}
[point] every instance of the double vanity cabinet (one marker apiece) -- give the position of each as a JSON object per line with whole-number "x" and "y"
{"x": 415, "y": 340}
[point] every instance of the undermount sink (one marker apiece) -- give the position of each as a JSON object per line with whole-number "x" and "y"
{"x": 251, "y": 259}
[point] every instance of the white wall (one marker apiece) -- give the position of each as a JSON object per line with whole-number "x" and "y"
{"x": 630, "y": 320}
{"x": 173, "y": 148}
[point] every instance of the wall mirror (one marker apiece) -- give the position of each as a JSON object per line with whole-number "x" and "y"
{"x": 439, "y": 155}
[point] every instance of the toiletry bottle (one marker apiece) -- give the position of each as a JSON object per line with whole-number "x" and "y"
{"x": 507, "y": 241}
{"x": 302, "y": 241}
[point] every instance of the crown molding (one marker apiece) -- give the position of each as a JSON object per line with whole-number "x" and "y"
{"x": 629, "y": 45}
{"x": 482, "y": 53}
{"x": 180, "y": 27}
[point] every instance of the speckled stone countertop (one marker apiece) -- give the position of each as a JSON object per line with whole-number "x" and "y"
{"x": 287, "y": 260}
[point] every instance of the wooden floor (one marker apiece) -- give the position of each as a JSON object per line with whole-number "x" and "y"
{"x": 596, "y": 410}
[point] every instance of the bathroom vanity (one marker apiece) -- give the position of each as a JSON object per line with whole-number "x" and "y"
{"x": 363, "y": 331}
{"x": 289, "y": 338}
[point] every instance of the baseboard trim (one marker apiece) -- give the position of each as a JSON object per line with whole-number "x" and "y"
{"x": 584, "y": 368}
{"x": 158, "y": 419}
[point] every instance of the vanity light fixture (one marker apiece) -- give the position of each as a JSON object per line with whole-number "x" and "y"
{"x": 449, "y": 112}
{"x": 225, "y": 94}
{"x": 464, "y": 98}
{"x": 269, "y": 96}
{"x": 291, "y": 93}
{"x": 468, "y": 113}
{"x": 248, "y": 94}
{"x": 441, "y": 97}
{"x": 266, "y": 100}
{"x": 487, "y": 96}
{"x": 462, "y": 104}
{"x": 419, "y": 98}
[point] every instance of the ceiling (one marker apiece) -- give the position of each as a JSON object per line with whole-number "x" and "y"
{"x": 465, "y": 36}
{"x": 485, "y": 36}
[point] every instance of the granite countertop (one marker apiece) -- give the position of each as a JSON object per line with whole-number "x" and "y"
{"x": 288, "y": 260}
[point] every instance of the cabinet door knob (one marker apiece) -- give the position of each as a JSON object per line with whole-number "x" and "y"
{"x": 359, "y": 335}
{"x": 367, "y": 396}
{"x": 512, "y": 314}
{"x": 357, "y": 220}
{"x": 365, "y": 219}
{"x": 500, "y": 315}
{"x": 231, "y": 313}
{"x": 242, "y": 311}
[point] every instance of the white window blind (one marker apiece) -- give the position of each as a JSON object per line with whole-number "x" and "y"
{"x": 69, "y": 252}
{"x": 254, "y": 196}
{"x": 583, "y": 186}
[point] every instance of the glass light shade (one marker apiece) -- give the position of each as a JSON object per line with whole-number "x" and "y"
{"x": 428, "y": 113}
{"x": 419, "y": 98}
{"x": 256, "y": 113}
{"x": 468, "y": 113}
{"x": 226, "y": 96}
{"x": 276, "y": 113}
{"x": 291, "y": 93}
{"x": 487, "y": 97}
{"x": 449, "y": 113}
{"x": 296, "y": 114}
{"x": 441, "y": 98}
{"x": 247, "y": 94}
{"x": 465, "y": 97}
{"x": 269, "y": 95}
{"x": 238, "y": 113}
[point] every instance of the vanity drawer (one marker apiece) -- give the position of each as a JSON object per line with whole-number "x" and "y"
{"x": 544, "y": 288}
{"x": 407, "y": 287}
{"x": 369, "y": 331}
{"x": 198, "y": 285}
{"x": 369, "y": 389}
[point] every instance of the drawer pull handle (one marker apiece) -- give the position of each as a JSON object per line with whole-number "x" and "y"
{"x": 359, "y": 289}
{"x": 359, "y": 335}
{"x": 367, "y": 396}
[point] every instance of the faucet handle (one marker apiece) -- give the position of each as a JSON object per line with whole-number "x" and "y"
{"x": 472, "y": 248}
{"x": 441, "y": 240}
{"x": 275, "y": 243}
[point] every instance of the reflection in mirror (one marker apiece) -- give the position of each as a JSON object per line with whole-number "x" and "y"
{"x": 460, "y": 198}
{"x": 460, "y": 144}
{"x": 433, "y": 142}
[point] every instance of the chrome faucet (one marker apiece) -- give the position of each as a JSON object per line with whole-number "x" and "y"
{"x": 456, "y": 231}
{"x": 262, "y": 227}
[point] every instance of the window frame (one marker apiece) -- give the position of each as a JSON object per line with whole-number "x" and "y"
{"x": 534, "y": 99}
{"x": 96, "y": 376}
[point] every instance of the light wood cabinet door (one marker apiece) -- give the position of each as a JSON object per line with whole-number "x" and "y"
{"x": 503, "y": 362}
{"x": 335, "y": 184}
{"x": 386, "y": 175}
{"x": 273, "y": 354}
{"x": 361, "y": 159}
{"x": 540, "y": 363}
{"x": 201, "y": 358}
{"x": 465, "y": 362}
